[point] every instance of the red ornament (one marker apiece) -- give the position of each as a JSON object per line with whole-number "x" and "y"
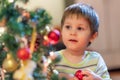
{"x": 46, "y": 43}
{"x": 54, "y": 36}
{"x": 23, "y": 53}
{"x": 78, "y": 74}
{"x": 26, "y": 14}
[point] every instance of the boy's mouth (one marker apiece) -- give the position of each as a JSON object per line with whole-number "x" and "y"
{"x": 73, "y": 40}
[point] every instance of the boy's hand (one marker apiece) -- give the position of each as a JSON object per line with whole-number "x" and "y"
{"x": 67, "y": 76}
{"x": 87, "y": 75}
{"x": 79, "y": 75}
{"x": 90, "y": 75}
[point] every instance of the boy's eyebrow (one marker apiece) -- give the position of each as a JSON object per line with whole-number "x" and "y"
{"x": 67, "y": 22}
{"x": 83, "y": 24}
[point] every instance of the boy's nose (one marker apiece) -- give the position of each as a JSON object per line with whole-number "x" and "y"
{"x": 73, "y": 32}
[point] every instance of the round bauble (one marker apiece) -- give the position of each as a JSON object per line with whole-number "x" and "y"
{"x": 23, "y": 53}
{"x": 78, "y": 74}
{"x": 54, "y": 36}
{"x": 10, "y": 64}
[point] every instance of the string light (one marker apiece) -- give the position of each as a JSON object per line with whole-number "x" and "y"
{"x": 11, "y": 1}
{"x": 2, "y": 30}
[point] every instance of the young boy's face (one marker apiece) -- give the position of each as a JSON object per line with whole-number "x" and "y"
{"x": 76, "y": 33}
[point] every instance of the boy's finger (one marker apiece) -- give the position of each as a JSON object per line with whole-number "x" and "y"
{"x": 75, "y": 78}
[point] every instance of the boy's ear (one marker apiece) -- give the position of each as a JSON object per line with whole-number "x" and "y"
{"x": 93, "y": 37}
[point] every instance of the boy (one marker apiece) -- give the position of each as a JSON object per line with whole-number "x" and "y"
{"x": 79, "y": 29}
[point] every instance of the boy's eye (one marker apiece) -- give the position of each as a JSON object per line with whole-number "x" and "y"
{"x": 68, "y": 27}
{"x": 80, "y": 28}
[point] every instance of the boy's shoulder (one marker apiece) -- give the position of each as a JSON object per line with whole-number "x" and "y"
{"x": 87, "y": 53}
{"x": 93, "y": 54}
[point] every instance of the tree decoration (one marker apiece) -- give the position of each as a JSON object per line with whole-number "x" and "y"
{"x": 23, "y": 53}
{"x": 26, "y": 42}
{"x": 25, "y": 71}
{"x": 79, "y": 75}
{"x": 34, "y": 36}
{"x": 54, "y": 36}
{"x": 3, "y": 22}
{"x": 9, "y": 64}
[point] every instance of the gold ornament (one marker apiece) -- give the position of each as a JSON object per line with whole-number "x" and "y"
{"x": 25, "y": 71}
{"x": 3, "y": 22}
{"x": 34, "y": 36}
{"x": 9, "y": 64}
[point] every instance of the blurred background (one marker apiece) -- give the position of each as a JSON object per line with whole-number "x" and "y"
{"x": 108, "y": 41}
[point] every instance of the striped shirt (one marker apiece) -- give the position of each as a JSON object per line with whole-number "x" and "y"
{"x": 92, "y": 61}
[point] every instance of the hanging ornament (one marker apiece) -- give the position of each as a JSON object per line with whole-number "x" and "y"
{"x": 35, "y": 19}
{"x": 33, "y": 39}
{"x": 54, "y": 36}
{"x": 23, "y": 53}
{"x": 3, "y": 22}
{"x": 79, "y": 75}
{"x": 45, "y": 41}
{"x": 9, "y": 64}
{"x": 25, "y": 16}
{"x": 37, "y": 41}
{"x": 25, "y": 71}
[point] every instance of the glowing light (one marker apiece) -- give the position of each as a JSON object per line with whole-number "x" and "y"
{"x": 45, "y": 37}
{"x": 51, "y": 53}
{"x": 47, "y": 28}
{"x": 49, "y": 60}
{"x": 2, "y": 30}
{"x": 11, "y": 1}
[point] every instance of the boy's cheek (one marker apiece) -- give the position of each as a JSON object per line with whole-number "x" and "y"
{"x": 75, "y": 78}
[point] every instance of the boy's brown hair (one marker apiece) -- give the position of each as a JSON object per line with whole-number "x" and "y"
{"x": 84, "y": 10}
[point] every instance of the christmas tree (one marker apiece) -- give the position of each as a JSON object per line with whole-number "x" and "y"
{"x": 26, "y": 39}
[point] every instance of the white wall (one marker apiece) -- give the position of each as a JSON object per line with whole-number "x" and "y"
{"x": 54, "y": 8}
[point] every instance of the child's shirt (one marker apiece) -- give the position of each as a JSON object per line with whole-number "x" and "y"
{"x": 92, "y": 61}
